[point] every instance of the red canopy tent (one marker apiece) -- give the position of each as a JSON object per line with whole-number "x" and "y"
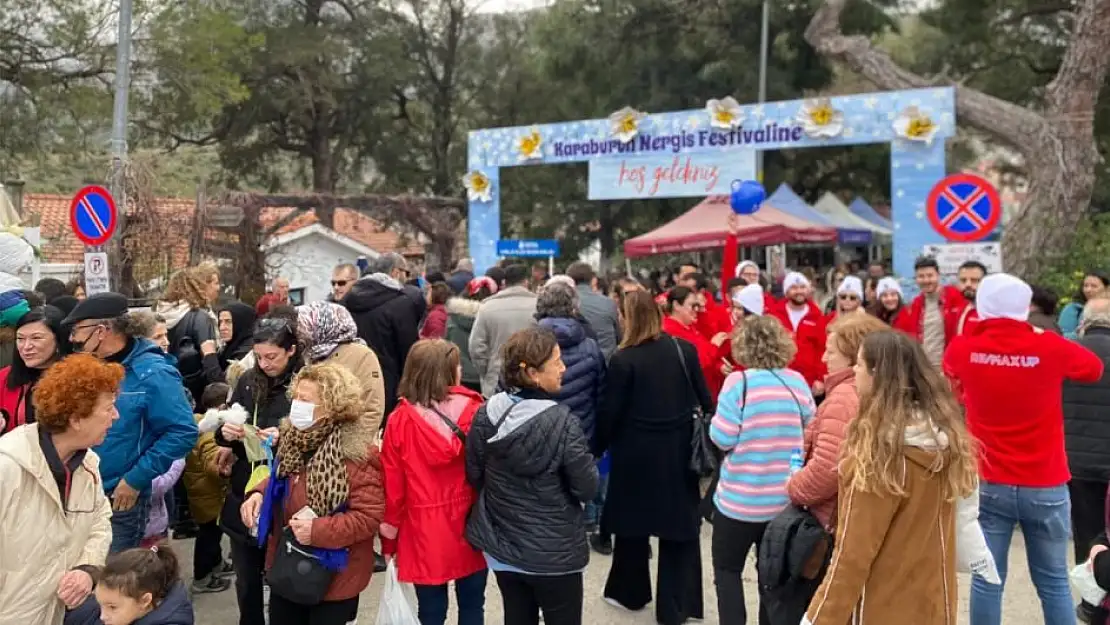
{"x": 705, "y": 227}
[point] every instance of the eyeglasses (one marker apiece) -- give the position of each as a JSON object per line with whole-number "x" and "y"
{"x": 340, "y": 282}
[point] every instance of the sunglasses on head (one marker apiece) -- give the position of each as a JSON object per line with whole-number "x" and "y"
{"x": 273, "y": 323}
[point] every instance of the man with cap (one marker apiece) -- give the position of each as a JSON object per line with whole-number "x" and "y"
{"x": 1010, "y": 377}
{"x": 800, "y": 315}
{"x": 155, "y": 425}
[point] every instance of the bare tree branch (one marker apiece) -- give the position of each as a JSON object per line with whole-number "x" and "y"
{"x": 1005, "y": 120}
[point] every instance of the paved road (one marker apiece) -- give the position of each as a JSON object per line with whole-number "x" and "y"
{"x": 1021, "y": 604}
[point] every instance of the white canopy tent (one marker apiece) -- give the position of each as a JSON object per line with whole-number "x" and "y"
{"x": 838, "y": 212}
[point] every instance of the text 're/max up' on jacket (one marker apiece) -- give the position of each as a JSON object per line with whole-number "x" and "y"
{"x": 530, "y": 463}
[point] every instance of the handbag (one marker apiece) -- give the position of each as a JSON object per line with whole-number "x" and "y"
{"x": 297, "y": 575}
{"x": 703, "y": 458}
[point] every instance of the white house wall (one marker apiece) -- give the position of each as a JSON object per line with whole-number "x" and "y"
{"x": 308, "y": 262}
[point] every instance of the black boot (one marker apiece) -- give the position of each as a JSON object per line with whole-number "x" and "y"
{"x": 379, "y": 563}
{"x": 602, "y": 543}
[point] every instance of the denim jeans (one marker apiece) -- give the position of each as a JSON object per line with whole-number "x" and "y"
{"x": 129, "y": 527}
{"x": 1045, "y": 518}
{"x": 470, "y": 593}
{"x": 593, "y": 508}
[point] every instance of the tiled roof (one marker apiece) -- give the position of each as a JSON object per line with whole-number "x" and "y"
{"x": 59, "y": 245}
{"x": 350, "y": 224}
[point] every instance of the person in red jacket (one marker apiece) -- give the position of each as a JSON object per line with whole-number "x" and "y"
{"x": 934, "y": 310}
{"x": 890, "y": 308}
{"x": 426, "y": 494}
{"x": 801, "y": 316}
{"x": 748, "y": 270}
{"x": 713, "y": 317}
{"x": 683, "y": 309}
{"x": 1009, "y": 376}
{"x": 963, "y": 318}
{"x": 39, "y": 343}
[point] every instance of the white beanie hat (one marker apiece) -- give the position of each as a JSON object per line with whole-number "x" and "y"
{"x": 1002, "y": 296}
{"x": 794, "y": 279}
{"x": 852, "y": 286}
{"x": 887, "y": 285}
{"x": 745, "y": 263}
{"x": 750, "y": 298}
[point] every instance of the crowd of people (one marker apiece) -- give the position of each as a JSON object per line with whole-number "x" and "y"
{"x": 513, "y": 423}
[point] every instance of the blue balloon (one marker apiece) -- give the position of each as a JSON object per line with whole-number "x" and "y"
{"x": 747, "y": 196}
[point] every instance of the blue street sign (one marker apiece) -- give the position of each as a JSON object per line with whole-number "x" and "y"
{"x": 92, "y": 215}
{"x": 528, "y": 248}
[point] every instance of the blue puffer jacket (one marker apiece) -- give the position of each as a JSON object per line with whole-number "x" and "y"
{"x": 584, "y": 379}
{"x": 155, "y": 425}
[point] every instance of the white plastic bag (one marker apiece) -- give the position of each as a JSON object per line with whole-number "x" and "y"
{"x": 972, "y": 554}
{"x": 1083, "y": 580}
{"x": 394, "y": 608}
{"x": 16, "y": 255}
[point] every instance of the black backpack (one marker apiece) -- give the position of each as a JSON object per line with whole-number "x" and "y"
{"x": 185, "y": 340}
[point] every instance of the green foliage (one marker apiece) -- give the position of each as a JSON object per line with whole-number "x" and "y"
{"x": 1091, "y": 252}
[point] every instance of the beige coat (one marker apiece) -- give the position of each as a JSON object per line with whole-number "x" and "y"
{"x": 363, "y": 362}
{"x": 40, "y": 541}
{"x": 499, "y": 317}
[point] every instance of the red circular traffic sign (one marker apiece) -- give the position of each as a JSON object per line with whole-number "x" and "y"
{"x": 964, "y": 207}
{"x": 92, "y": 215}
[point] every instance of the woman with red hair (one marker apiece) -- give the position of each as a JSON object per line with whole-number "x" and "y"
{"x": 57, "y": 521}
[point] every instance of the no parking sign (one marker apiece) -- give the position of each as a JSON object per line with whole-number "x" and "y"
{"x": 964, "y": 208}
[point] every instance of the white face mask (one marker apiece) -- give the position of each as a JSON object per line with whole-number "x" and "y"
{"x": 300, "y": 414}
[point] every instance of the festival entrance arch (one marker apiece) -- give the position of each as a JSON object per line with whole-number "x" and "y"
{"x": 699, "y": 152}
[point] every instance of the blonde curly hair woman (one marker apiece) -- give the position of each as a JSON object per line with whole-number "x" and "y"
{"x": 187, "y": 308}
{"x": 761, "y": 414}
{"x": 326, "y": 488}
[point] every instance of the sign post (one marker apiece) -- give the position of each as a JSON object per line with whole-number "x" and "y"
{"x": 530, "y": 248}
{"x": 93, "y": 217}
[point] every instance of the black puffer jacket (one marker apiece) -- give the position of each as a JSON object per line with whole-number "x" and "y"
{"x": 1086, "y": 406}
{"x": 273, "y": 407}
{"x": 530, "y": 463}
{"x": 388, "y": 319}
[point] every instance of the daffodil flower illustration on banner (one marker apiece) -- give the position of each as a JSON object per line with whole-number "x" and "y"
{"x": 820, "y": 120}
{"x": 531, "y": 145}
{"x": 724, "y": 113}
{"x": 478, "y": 187}
{"x": 625, "y": 123}
{"x": 913, "y": 124}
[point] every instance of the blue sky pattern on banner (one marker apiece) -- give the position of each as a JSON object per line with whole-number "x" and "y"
{"x": 868, "y": 118}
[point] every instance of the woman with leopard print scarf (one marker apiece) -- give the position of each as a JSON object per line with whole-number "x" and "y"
{"x": 326, "y": 488}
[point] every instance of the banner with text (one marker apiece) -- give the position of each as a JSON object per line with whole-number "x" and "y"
{"x": 670, "y": 175}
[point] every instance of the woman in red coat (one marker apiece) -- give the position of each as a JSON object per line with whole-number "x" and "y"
{"x": 427, "y": 496}
{"x": 890, "y": 308}
{"x": 683, "y": 308}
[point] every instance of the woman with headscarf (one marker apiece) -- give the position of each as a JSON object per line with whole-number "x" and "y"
{"x": 39, "y": 343}
{"x": 331, "y": 336}
{"x": 236, "y": 326}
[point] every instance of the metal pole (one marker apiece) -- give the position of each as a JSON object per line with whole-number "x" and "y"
{"x": 119, "y": 122}
{"x": 764, "y": 44}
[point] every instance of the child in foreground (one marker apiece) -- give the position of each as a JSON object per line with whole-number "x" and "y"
{"x": 143, "y": 587}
